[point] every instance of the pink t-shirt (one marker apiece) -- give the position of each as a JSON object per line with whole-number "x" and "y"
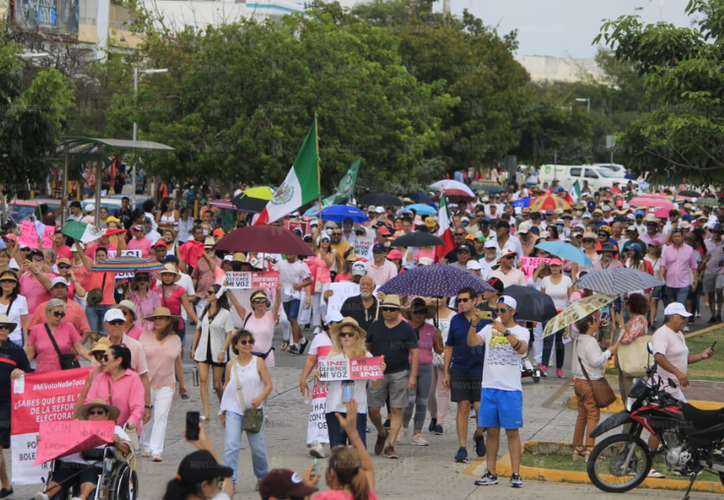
{"x": 161, "y": 358}
{"x": 64, "y": 252}
{"x": 135, "y": 332}
{"x": 172, "y": 299}
{"x": 65, "y": 336}
{"x": 144, "y": 245}
{"x": 340, "y": 495}
{"x": 34, "y": 291}
{"x": 322, "y": 271}
{"x": 263, "y": 330}
{"x": 126, "y": 394}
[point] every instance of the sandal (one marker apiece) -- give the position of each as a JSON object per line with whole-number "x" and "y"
{"x": 157, "y": 458}
{"x": 284, "y": 345}
{"x": 579, "y": 454}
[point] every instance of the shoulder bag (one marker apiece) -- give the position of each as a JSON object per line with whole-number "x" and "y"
{"x": 603, "y": 395}
{"x": 634, "y": 358}
{"x": 67, "y": 361}
{"x": 95, "y": 296}
{"x": 253, "y": 417}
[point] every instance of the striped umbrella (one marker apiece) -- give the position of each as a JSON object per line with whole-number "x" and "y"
{"x": 223, "y": 204}
{"x": 618, "y": 281}
{"x": 549, "y": 202}
{"x": 577, "y": 310}
{"x": 435, "y": 280}
{"x": 128, "y": 265}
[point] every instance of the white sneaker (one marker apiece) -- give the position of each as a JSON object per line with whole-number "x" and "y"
{"x": 656, "y": 474}
{"x": 40, "y": 496}
{"x": 402, "y": 433}
{"x": 318, "y": 330}
{"x": 418, "y": 440}
{"x": 317, "y": 450}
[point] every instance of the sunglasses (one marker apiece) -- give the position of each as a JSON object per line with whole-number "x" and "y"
{"x": 97, "y": 412}
{"x": 126, "y": 312}
{"x": 509, "y": 257}
{"x": 258, "y": 301}
{"x": 210, "y": 291}
{"x": 336, "y": 234}
{"x": 245, "y": 342}
{"x": 141, "y": 280}
{"x": 464, "y": 299}
{"x": 588, "y": 240}
{"x": 7, "y": 281}
{"x": 5, "y": 327}
{"x": 116, "y": 322}
{"x": 106, "y": 358}
{"x": 63, "y": 266}
{"x": 420, "y": 311}
{"x": 347, "y": 334}
{"x": 459, "y": 234}
{"x": 59, "y": 314}
{"x": 38, "y": 259}
{"x": 98, "y": 355}
{"x": 388, "y": 309}
{"x": 500, "y": 311}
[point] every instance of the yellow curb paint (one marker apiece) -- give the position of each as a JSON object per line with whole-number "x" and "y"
{"x": 618, "y": 405}
{"x": 563, "y": 476}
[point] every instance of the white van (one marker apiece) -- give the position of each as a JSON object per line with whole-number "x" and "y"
{"x": 597, "y": 177}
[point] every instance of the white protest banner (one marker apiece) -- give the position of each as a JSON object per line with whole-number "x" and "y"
{"x": 341, "y": 292}
{"x": 529, "y": 264}
{"x": 334, "y": 369}
{"x": 238, "y": 280}
{"x": 331, "y": 369}
{"x": 317, "y": 422}
{"x": 128, "y": 253}
{"x": 362, "y": 245}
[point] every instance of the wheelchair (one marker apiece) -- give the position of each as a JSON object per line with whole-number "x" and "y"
{"x": 117, "y": 481}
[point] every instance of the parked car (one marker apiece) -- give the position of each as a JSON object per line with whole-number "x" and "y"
{"x": 597, "y": 176}
{"x": 20, "y": 210}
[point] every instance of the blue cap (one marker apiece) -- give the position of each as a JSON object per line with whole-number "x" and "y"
{"x": 634, "y": 246}
{"x": 687, "y": 217}
{"x": 640, "y": 212}
{"x": 560, "y": 189}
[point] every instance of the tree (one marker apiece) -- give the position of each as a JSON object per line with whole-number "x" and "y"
{"x": 31, "y": 120}
{"x": 681, "y": 138}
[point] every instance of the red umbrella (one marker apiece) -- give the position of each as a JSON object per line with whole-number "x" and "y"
{"x": 264, "y": 239}
{"x": 650, "y": 201}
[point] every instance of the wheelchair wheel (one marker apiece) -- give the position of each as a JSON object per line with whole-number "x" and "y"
{"x": 124, "y": 484}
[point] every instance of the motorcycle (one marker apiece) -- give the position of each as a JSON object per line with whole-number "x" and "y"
{"x": 691, "y": 440}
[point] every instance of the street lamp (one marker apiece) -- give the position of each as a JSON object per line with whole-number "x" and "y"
{"x": 136, "y": 71}
{"x": 586, "y": 100}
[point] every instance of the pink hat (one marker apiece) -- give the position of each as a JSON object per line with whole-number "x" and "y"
{"x": 555, "y": 262}
{"x": 394, "y": 254}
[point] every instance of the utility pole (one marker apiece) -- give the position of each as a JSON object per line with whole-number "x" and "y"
{"x": 445, "y": 6}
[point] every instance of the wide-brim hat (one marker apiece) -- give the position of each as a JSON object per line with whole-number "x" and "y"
{"x": 347, "y": 321}
{"x": 607, "y": 247}
{"x": 101, "y": 345}
{"x": 392, "y": 301}
{"x": 170, "y": 269}
{"x": 128, "y": 305}
{"x": 8, "y": 275}
{"x": 113, "y": 412}
{"x": 4, "y": 320}
{"x": 162, "y": 312}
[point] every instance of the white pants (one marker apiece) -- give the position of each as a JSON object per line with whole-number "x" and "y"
{"x": 305, "y": 313}
{"x": 154, "y": 432}
{"x": 538, "y": 344}
{"x": 286, "y": 325}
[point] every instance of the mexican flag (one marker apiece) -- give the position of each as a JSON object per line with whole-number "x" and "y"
{"x": 81, "y": 231}
{"x": 301, "y": 185}
{"x": 345, "y": 189}
{"x": 575, "y": 192}
{"x": 445, "y": 232}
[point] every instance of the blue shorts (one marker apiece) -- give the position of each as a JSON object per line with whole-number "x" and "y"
{"x": 291, "y": 308}
{"x": 501, "y": 409}
{"x": 95, "y": 315}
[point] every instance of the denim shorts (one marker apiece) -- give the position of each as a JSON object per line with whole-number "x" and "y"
{"x": 95, "y": 316}
{"x": 291, "y": 308}
{"x": 500, "y": 408}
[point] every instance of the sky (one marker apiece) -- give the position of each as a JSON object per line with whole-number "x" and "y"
{"x": 564, "y": 28}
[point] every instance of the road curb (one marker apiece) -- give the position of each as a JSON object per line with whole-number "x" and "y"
{"x": 617, "y": 406}
{"x": 562, "y": 476}
{"x": 703, "y": 330}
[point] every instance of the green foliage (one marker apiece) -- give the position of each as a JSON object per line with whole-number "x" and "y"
{"x": 682, "y": 137}
{"x": 31, "y": 120}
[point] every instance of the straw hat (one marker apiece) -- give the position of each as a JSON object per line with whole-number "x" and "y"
{"x": 350, "y": 322}
{"x": 4, "y": 320}
{"x": 113, "y": 412}
{"x": 171, "y": 269}
{"x": 162, "y": 312}
{"x": 127, "y": 304}
{"x": 101, "y": 345}
{"x": 9, "y": 275}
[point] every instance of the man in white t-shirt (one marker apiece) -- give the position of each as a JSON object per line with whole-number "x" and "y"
{"x": 294, "y": 275}
{"x": 501, "y": 401}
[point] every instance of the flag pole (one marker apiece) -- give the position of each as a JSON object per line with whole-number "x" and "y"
{"x": 319, "y": 170}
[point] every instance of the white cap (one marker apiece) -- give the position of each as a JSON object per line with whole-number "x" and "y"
{"x": 508, "y": 301}
{"x": 90, "y": 207}
{"x": 228, "y": 258}
{"x": 333, "y": 317}
{"x": 380, "y": 210}
{"x": 473, "y": 265}
{"x": 58, "y": 280}
{"x": 359, "y": 269}
{"x": 490, "y": 244}
{"x": 524, "y": 228}
{"x": 631, "y": 217}
{"x": 545, "y": 234}
{"x": 678, "y": 309}
{"x": 113, "y": 314}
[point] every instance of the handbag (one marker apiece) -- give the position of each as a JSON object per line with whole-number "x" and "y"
{"x": 635, "y": 358}
{"x": 253, "y": 417}
{"x": 67, "y": 361}
{"x": 603, "y": 395}
{"x": 95, "y": 296}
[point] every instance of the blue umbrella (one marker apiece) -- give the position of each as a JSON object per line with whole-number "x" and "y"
{"x": 421, "y": 209}
{"x": 566, "y": 251}
{"x": 419, "y": 198}
{"x": 436, "y": 280}
{"x": 617, "y": 281}
{"x": 337, "y": 213}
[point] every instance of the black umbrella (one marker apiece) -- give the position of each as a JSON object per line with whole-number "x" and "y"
{"x": 690, "y": 194}
{"x": 419, "y": 198}
{"x": 532, "y": 304}
{"x": 418, "y": 239}
{"x": 381, "y": 199}
{"x": 248, "y": 203}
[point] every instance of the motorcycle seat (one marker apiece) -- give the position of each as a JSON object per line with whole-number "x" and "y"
{"x": 703, "y": 419}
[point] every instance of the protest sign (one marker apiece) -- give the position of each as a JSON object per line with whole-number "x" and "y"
{"x": 529, "y": 264}
{"x": 362, "y": 245}
{"x": 128, "y": 253}
{"x": 60, "y": 439}
{"x": 238, "y": 280}
{"x": 341, "y": 292}
{"x": 29, "y": 236}
{"x": 37, "y": 398}
{"x": 331, "y": 369}
{"x": 293, "y": 224}
{"x": 317, "y": 422}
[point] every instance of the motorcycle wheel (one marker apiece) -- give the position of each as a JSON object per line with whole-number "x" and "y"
{"x": 721, "y": 477}
{"x": 606, "y": 463}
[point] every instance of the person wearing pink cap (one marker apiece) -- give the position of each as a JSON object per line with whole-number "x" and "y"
{"x": 395, "y": 256}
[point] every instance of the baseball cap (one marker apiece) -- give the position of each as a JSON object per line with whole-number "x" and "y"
{"x": 283, "y": 483}
{"x": 524, "y": 228}
{"x": 113, "y": 314}
{"x": 463, "y": 248}
{"x": 508, "y": 251}
{"x": 383, "y": 230}
{"x": 490, "y": 244}
{"x": 58, "y": 280}
{"x": 379, "y": 248}
{"x": 508, "y": 301}
{"x": 201, "y": 466}
{"x": 678, "y": 309}
{"x": 497, "y": 284}
{"x": 380, "y": 210}
{"x": 160, "y": 243}
{"x": 359, "y": 269}
{"x": 473, "y": 265}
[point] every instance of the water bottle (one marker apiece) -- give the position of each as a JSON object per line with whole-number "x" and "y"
{"x": 195, "y": 375}
{"x": 307, "y": 397}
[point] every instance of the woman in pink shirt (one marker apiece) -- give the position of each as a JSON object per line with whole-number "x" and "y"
{"x": 163, "y": 354}
{"x": 66, "y": 336}
{"x": 120, "y": 386}
{"x": 260, "y": 321}
{"x": 325, "y": 259}
{"x": 173, "y": 297}
{"x": 32, "y": 284}
{"x": 145, "y": 299}
{"x": 130, "y": 327}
